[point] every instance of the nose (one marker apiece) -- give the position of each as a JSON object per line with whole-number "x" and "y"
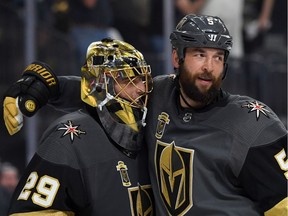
{"x": 140, "y": 85}
{"x": 208, "y": 65}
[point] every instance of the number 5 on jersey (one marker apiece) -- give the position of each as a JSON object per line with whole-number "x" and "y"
{"x": 46, "y": 190}
{"x": 282, "y": 160}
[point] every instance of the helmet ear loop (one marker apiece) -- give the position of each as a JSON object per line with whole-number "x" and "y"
{"x": 181, "y": 54}
{"x": 181, "y": 60}
{"x": 225, "y": 70}
{"x": 181, "y": 57}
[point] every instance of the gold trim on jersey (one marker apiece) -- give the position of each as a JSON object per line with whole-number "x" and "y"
{"x": 46, "y": 213}
{"x": 141, "y": 200}
{"x": 280, "y": 209}
{"x": 174, "y": 170}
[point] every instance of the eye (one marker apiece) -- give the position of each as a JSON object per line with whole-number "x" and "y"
{"x": 123, "y": 81}
{"x": 219, "y": 58}
{"x": 140, "y": 79}
{"x": 200, "y": 55}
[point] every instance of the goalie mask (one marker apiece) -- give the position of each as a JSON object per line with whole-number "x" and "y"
{"x": 116, "y": 80}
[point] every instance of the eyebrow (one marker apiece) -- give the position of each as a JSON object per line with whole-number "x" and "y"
{"x": 201, "y": 50}
{"x": 198, "y": 50}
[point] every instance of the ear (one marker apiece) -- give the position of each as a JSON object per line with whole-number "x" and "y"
{"x": 175, "y": 59}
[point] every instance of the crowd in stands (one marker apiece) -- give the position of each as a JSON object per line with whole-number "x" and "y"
{"x": 64, "y": 29}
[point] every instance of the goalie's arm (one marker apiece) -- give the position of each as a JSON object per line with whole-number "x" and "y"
{"x": 69, "y": 98}
{"x": 37, "y": 87}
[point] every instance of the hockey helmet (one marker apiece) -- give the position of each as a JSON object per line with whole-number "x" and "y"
{"x": 107, "y": 61}
{"x": 200, "y": 31}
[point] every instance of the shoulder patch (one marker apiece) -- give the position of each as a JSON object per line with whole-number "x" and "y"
{"x": 258, "y": 108}
{"x": 172, "y": 76}
{"x": 70, "y": 129}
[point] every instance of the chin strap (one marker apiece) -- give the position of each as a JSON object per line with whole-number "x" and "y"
{"x": 105, "y": 101}
{"x": 144, "y": 110}
{"x": 225, "y": 70}
{"x": 185, "y": 101}
{"x": 178, "y": 87}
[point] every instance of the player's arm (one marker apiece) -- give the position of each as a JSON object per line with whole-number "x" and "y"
{"x": 264, "y": 176}
{"x": 69, "y": 97}
{"x": 49, "y": 184}
{"x": 37, "y": 87}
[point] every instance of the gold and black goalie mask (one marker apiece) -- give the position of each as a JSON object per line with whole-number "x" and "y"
{"x": 112, "y": 69}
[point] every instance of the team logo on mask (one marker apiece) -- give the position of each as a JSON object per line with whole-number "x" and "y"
{"x": 123, "y": 170}
{"x": 258, "y": 108}
{"x": 71, "y": 130}
{"x": 174, "y": 167}
{"x": 141, "y": 199}
{"x": 163, "y": 120}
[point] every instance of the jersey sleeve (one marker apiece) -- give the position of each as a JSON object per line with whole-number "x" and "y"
{"x": 69, "y": 99}
{"x": 264, "y": 176}
{"x": 49, "y": 187}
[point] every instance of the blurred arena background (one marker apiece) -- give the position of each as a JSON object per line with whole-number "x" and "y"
{"x": 41, "y": 30}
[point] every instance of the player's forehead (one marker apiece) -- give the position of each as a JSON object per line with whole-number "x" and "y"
{"x": 205, "y": 50}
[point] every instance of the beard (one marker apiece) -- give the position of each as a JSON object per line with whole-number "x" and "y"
{"x": 187, "y": 83}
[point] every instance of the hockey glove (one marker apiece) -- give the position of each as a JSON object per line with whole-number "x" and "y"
{"x": 25, "y": 97}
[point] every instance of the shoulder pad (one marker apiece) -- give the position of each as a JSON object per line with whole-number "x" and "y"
{"x": 249, "y": 121}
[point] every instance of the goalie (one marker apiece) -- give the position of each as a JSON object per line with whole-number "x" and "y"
{"x": 88, "y": 161}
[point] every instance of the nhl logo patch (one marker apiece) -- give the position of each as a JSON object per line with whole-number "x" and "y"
{"x": 258, "y": 108}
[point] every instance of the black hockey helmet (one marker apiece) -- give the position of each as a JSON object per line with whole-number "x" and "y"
{"x": 200, "y": 31}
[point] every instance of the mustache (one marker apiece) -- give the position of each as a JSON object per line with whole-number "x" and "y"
{"x": 206, "y": 76}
